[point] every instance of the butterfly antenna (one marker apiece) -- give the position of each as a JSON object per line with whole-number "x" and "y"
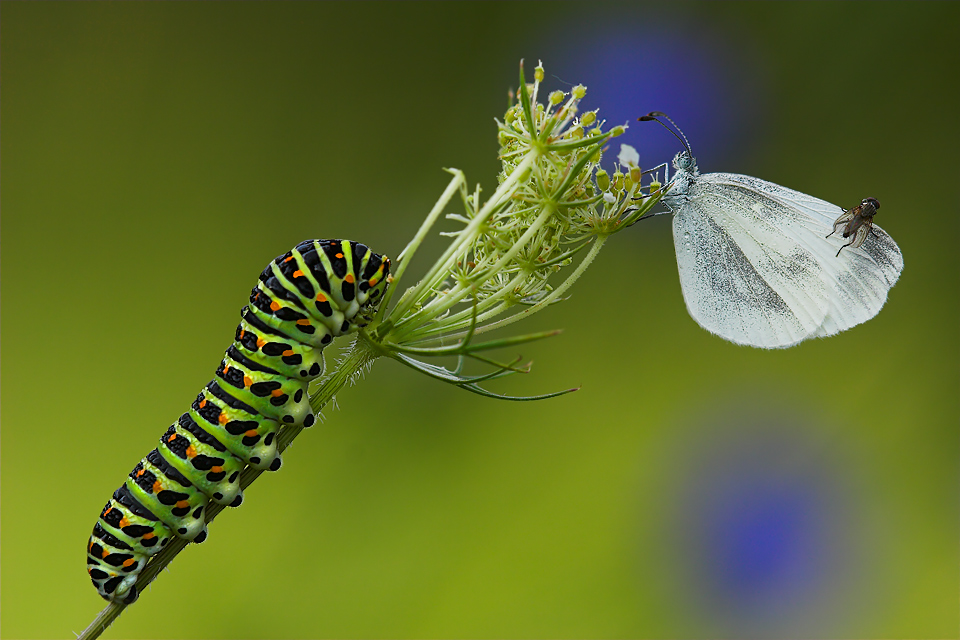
{"x": 656, "y": 115}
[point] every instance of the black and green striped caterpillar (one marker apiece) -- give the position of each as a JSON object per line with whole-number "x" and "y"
{"x": 317, "y": 291}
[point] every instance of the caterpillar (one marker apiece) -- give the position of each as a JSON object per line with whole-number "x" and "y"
{"x": 304, "y": 298}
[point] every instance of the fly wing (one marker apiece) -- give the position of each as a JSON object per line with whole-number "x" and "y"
{"x": 742, "y": 277}
{"x": 858, "y": 279}
{"x": 862, "y": 232}
{"x": 841, "y": 221}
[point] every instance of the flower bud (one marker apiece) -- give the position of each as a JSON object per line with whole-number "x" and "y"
{"x": 556, "y": 97}
{"x": 588, "y": 118}
{"x": 635, "y": 174}
{"x": 617, "y": 131}
{"x": 617, "y": 180}
{"x": 538, "y": 73}
{"x": 579, "y": 91}
{"x": 603, "y": 180}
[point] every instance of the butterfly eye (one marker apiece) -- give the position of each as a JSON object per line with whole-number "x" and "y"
{"x": 683, "y": 160}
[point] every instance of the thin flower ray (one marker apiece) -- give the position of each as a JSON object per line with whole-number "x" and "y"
{"x": 489, "y": 394}
{"x": 453, "y": 376}
{"x": 464, "y": 348}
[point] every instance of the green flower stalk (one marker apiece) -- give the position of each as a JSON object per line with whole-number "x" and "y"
{"x": 514, "y": 255}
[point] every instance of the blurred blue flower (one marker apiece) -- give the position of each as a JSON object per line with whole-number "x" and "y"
{"x": 707, "y": 82}
{"x": 760, "y": 533}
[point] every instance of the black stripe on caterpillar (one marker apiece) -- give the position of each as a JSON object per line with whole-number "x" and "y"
{"x": 315, "y": 292}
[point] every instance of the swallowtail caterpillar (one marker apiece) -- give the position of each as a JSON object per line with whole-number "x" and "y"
{"x": 305, "y": 298}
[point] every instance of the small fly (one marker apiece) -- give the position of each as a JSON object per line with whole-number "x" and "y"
{"x": 856, "y": 222}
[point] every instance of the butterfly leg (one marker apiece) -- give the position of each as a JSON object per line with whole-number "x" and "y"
{"x": 666, "y": 171}
{"x": 648, "y": 216}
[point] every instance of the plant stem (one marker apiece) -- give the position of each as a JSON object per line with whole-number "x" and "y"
{"x": 360, "y": 355}
{"x": 438, "y": 272}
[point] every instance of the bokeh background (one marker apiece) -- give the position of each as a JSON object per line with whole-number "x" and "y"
{"x": 156, "y": 155}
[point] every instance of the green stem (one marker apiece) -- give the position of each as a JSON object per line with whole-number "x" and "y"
{"x": 424, "y": 317}
{"x": 360, "y": 355}
{"x": 442, "y": 265}
{"x": 407, "y": 254}
{"x": 556, "y": 293}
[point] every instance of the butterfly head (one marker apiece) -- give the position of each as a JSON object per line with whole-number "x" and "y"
{"x": 685, "y": 162}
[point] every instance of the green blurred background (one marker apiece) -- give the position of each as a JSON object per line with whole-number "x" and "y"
{"x": 156, "y": 155}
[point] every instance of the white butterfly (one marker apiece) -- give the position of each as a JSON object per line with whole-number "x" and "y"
{"x": 756, "y": 265}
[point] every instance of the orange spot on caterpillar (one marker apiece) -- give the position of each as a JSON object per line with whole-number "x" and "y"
{"x": 303, "y": 322}
{"x": 140, "y": 473}
{"x": 288, "y": 352}
{"x": 223, "y": 419}
{"x": 250, "y": 433}
{"x": 104, "y": 553}
{"x": 216, "y": 469}
{"x": 191, "y": 452}
{"x": 288, "y": 259}
{"x": 321, "y": 297}
{"x": 339, "y": 255}
{"x": 349, "y": 278}
{"x": 274, "y": 306}
{"x": 157, "y": 487}
{"x": 172, "y": 437}
{"x": 276, "y": 393}
{"x": 128, "y": 562}
{"x": 298, "y": 274}
{"x": 107, "y": 512}
{"x": 149, "y": 536}
{"x": 260, "y": 343}
{"x": 203, "y": 403}
{"x": 182, "y": 504}
{"x": 372, "y": 281}
{"x": 247, "y": 381}
{"x": 124, "y": 522}
{"x": 89, "y": 568}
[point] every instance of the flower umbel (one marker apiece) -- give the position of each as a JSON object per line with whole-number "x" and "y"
{"x": 553, "y": 201}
